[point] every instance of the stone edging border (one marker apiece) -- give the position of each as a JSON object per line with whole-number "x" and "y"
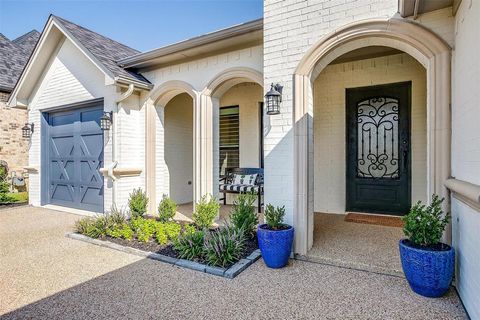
{"x": 6, "y": 206}
{"x": 229, "y": 273}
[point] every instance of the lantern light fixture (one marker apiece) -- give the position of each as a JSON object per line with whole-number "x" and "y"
{"x": 273, "y": 98}
{"x": 27, "y": 130}
{"x": 106, "y": 121}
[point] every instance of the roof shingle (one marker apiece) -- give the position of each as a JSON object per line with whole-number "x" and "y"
{"x": 28, "y": 41}
{"x": 106, "y": 50}
{"x": 14, "y": 56}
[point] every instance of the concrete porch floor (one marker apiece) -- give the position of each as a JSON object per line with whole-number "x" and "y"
{"x": 354, "y": 245}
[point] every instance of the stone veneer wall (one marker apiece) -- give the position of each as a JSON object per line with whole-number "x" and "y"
{"x": 13, "y": 148}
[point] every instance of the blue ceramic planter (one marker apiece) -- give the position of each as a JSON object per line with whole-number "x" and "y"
{"x": 429, "y": 273}
{"x": 275, "y": 246}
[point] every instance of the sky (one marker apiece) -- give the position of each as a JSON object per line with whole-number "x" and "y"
{"x": 140, "y": 24}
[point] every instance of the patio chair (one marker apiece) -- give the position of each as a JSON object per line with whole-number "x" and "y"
{"x": 242, "y": 180}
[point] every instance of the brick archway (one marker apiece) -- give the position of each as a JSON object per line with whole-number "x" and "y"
{"x": 426, "y": 47}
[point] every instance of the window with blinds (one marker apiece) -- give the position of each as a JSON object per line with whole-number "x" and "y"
{"x": 229, "y": 138}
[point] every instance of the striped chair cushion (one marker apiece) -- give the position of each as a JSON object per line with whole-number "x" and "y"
{"x": 239, "y": 188}
{"x": 245, "y": 179}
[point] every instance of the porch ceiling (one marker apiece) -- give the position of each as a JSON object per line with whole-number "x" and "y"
{"x": 408, "y": 8}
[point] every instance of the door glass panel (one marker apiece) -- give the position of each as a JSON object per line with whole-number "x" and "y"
{"x": 377, "y": 128}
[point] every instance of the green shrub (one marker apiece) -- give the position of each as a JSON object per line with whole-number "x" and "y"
{"x": 143, "y": 228}
{"x": 5, "y": 197}
{"x": 4, "y": 187}
{"x": 83, "y": 225}
{"x": 138, "y": 203}
{"x": 3, "y": 173}
{"x": 188, "y": 228}
{"x": 19, "y": 196}
{"x": 244, "y": 216}
{"x": 167, "y": 231}
{"x": 190, "y": 246}
{"x": 424, "y": 225}
{"x": 274, "y": 216}
{"x": 225, "y": 246}
{"x": 93, "y": 227}
{"x": 166, "y": 209}
{"x": 205, "y": 212}
{"x": 116, "y": 216}
{"x": 121, "y": 231}
{"x": 102, "y": 224}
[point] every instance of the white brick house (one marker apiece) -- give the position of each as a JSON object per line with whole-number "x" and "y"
{"x": 417, "y": 59}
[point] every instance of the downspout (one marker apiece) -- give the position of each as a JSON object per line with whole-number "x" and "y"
{"x": 114, "y": 163}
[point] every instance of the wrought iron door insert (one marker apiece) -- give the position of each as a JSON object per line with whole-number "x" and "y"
{"x": 378, "y": 148}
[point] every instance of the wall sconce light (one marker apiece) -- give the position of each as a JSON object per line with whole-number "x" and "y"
{"x": 27, "y": 130}
{"x": 106, "y": 121}
{"x": 273, "y": 98}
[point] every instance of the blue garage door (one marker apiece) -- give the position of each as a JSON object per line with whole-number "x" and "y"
{"x": 74, "y": 156}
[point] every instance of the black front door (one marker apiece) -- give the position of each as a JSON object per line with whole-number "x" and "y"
{"x": 378, "y": 149}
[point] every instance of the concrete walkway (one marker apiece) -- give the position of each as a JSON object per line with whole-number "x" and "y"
{"x": 44, "y": 275}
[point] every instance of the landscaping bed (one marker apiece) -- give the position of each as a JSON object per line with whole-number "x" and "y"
{"x": 168, "y": 250}
{"x": 10, "y": 200}
{"x": 225, "y": 250}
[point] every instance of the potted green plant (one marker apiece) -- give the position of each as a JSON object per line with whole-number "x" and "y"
{"x": 427, "y": 263}
{"x": 275, "y": 238}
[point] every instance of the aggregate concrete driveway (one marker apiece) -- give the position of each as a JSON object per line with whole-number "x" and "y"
{"x": 44, "y": 275}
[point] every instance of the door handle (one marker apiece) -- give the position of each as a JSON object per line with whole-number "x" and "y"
{"x": 405, "y": 158}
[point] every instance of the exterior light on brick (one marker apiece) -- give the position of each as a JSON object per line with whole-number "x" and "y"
{"x": 273, "y": 98}
{"x": 27, "y": 130}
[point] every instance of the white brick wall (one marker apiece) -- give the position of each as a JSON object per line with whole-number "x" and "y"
{"x": 329, "y": 123}
{"x": 199, "y": 73}
{"x": 466, "y": 150}
{"x": 130, "y": 153}
{"x": 291, "y": 27}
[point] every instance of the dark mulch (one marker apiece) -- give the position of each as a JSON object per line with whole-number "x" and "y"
{"x": 151, "y": 246}
{"x": 167, "y": 250}
{"x": 12, "y": 205}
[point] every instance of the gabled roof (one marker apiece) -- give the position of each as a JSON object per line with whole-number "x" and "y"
{"x": 28, "y": 41}
{"x": 105, "y": 50}
{"x": 14, "y": 56}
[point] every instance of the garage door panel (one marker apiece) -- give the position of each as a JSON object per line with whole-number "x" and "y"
{"x": 63, "y": 119}
{"x": 90, "y": 119}
{"x": 63, "y": 192}
{"x": 91, "y": 144}
{"x": 75, "y": 155}
{"x": 92, "y": 195}
{"x": 62, "y": 146}
{"x": 62, "y": 170}
{"x": 89, "y": 172}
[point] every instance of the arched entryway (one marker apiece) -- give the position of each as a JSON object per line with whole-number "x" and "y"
{"x": 171, "y": 169}
{"x": 235, "y": 97}
{"x": 427, "y": 48}
{"x": 176, "y": 178}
